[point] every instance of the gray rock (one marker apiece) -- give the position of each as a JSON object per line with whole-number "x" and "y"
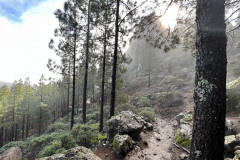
{"x": 13, "y": 153}
{"x": 122, "y": 144}
{"x": 78, "y": 153}
{"x": 183, "y": 156}
{"x": 179, "y": 117}
{"x": 237, "y": 148}
{"x": 126, "y": 123}
{"x": 229, "y": 129}
{"x": 185, "y": 130}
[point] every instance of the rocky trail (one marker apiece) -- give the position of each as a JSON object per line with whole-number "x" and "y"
{"x": 158, "y": 144}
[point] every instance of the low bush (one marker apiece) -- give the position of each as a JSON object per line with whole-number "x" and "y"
{"x": 58, "y": 126}
{"x": 84, "y": 133}
{"x": 126, "y": 107}
{"x": 144, "y": 101}
{"x": 59, "y": 145}
{"x": 147, "y": 113}
{"x": 19, "y": 144}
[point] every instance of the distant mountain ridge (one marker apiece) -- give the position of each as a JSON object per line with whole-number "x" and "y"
{"x": 2, "y": 83}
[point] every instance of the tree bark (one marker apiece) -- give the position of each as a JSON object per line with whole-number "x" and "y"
{"x": 1, "y": 136}
{"x": 27, "y": 123}
{"x": 40, "y": 121}
{"x": 86, "y": 67}
{"x": 103, "y": 81}
{"x": 210, "y": 82}
{"x": 16, "y": 132}
{"x": 114, "y": 70}
{"x": 23, "y": 126}
{"x": 74, "y": 68}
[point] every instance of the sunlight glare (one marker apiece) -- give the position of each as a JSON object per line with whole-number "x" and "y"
{"x": 170, "y": 17}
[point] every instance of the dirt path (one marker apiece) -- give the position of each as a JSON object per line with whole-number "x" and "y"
{"x": 160, "y": 142}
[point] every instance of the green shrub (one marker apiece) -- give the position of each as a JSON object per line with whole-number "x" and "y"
{"x": 116, "y": 145}
{"x": 96, "y": 141}
{"x": 126, "y": 107}
{"x": 144, "y": 101}
{"x": 93, "y": 116}
{"x": 7, "y": 146}
{"x": 40, "y": 141}
{"x": 59, "y": 145}
{"x": 58, "y": 126}
{"x": 84, "y": 133}
{"x": 147, "y": 113}
{"x": 122, "y": 98}
{"x": 67, "y": 141}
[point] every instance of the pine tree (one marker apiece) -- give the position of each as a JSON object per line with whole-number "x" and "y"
{"x": 210, "y": 82}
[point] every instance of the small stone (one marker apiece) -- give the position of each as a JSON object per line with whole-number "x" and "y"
{"x": 183, "y": 156}
{"x": 158, "y": 139}
{"x": 154, "y": 154}
{"x": 145, "y": 143}
{"x": 169, "y": 137}
{"x": 237, "y": 148}
{"x": 237, "y": 152}
{"x": 170, "y": 148}
{"x": 106, "y": 155}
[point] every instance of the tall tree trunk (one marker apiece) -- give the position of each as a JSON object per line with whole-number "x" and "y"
{"x": 1, "y": 136}
{"x": 40, "y": 121}
{"x": 103, "y": 80}
{"x": 68, "y": 88}
{"x": 23, "y": 127}
{"x": 27, "y": 123}
{"x": 74, "y": 68}
{"x": 114, "y": 70}
{"x": 93, "y": 98}
{"x": 16, "y": 132}
{"x": 86, "y": 67}
{"x": 210, "y": 82}
{"x": 78, "y": 100}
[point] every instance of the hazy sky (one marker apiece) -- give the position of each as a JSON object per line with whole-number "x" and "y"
{"x": 26, "y": 27}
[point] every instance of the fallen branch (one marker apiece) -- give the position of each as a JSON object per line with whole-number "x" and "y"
{"x": 184, "y": 149}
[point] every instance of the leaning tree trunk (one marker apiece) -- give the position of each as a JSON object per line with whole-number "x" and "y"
{"x": 114, "y": 70}
{"x": 210, "y": 82}
{"x": 86, "y": 68}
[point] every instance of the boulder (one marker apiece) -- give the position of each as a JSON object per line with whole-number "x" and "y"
{"x": 13, "y": 153}
{"x": 229, "y": 128}
{"x": 78, "y": 153}
{"x": 185, "y": 130}
{"x": 237, "y": 155}
{"x": 230, "y": 143}
{"x": 122, "y": 144}
{"x": 126, "y": 123}
{"x": 179, "y": 117}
